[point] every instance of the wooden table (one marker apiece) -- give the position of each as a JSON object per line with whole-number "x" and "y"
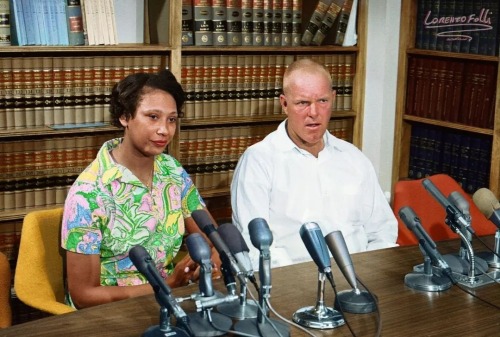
{"x": 404, "y": 311}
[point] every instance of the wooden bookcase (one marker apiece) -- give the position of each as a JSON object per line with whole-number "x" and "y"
{"x": 406, "y": 122}
{"x": 163, "y": 44}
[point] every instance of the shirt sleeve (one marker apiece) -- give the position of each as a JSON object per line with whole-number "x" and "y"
{"x": 82, "y": 220}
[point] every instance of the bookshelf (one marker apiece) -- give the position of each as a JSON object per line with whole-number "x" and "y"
{"x": 441, "y": 127}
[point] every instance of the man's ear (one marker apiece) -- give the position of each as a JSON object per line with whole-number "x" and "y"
{"x": 123, "y": 121}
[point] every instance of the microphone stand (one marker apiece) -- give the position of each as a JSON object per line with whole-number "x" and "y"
{"x": 205, "y": 323}
{"x": 426, "y": 280}
{"x": 319, "y": 316}
{"x": 241, "y": 310}
{"x": 164, "y": 329}
{"x": 263, "y": 325}
{"x": 493, "y": 259}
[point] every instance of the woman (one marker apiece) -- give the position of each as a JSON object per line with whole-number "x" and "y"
{"x": 131, "y": 194}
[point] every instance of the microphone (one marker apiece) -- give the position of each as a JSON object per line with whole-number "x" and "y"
{"x": 319, "y": 316}
{"x": 412, "y": 221}
{"x": 262, "y": 238}
{"x": 315, "y": 243}
{"x": 144, "y": 264}
{"x": 453, "y": 213}
{"x": 200, "y": 252}
{"x": 205, "y": 224}
{"x": 354, "y": 301}
{"x": 426, "y": 280}
{"x": 488, "y": 204}
{"x": 238, "y": 247}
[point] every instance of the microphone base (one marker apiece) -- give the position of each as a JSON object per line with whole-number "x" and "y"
{"x": 201, "y": 327}
{"x": 156, "y": 331}
{"x": 239, "y": 311}
{"x": 322, "y": 318}
{"x": 355, "y": 303}
{"x": 252, "y": 327}
{"x": 425, "y": 282}
{"x": 491, "y": 259}
{"x": 460, "y": 265}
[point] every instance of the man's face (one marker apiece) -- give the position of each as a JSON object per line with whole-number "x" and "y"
{"x": 308, "y": 102}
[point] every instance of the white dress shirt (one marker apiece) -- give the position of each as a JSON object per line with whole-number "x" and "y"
{"x": 288, "y": 187}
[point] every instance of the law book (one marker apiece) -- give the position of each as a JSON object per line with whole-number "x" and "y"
{"x": 315, "y": 21}
{"x": 340, "y": 27}
{"x": 17, "y": 25}
{"x": 327, "y": 23}
{"x": 232, "y": 84}
{"x": 203, "y": 22}
{"x": 296, "y": 22}
{"x": 287, "y": 23}
{"x": 258, "y": 22}
{"x": 5, "y": 19}
{"x": 277, "y": 32}
{"x": 39, "y": 17}
{"x": 75, "y": 22}
{"x": 433, "y": 32}
{"x": 219, "y": 19}
{"x": 268, "y": 22}
{"x": 478, "y": 10}
{"x": 109, "y": 10}
{"x": 188, "y": 83}
{"x": 187, "y": 23}
{"x": 468, "y": 9}
{"x": 29, "y": 21}
{"x": 234, "y": 17}
{"x": 240, "y": 87}
{"x": 247, "y": 22}
{"x": 223, "y": 75}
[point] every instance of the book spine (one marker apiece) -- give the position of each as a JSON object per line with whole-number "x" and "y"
{"x": 328, "y": 21}
{"x": 296, "y": 22}
{"x": 277, "y": 32}
{"x": 203, "y": 22}
{"x": 234, "y": 17}
{"x": 246, "y": 22}
{"x": 315, "y": 21}
{"x": 75, "y": 23}
{"x": 5, "y": 22}
{"x": 287, "y": 23}
{"x": 219, "y": 18}
{"x": 258, "y": 22}
{"x": 342, "y": 22}
{"x": 268, "y": 22}
{"x": 187, "y": 23}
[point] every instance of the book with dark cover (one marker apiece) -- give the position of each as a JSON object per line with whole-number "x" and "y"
{"x": 258, "y": 22}
{"x": 219, "y": 19}
{"x": 296, "y": 22}
{"x": 233, "y": 22}
{"x": 75, "y": 23}
{"x": 287, "y": 23}
{"x": 203, "y": 24}
{"x": 246, "y": 22}
{"x": 328, "y": 22}
{"x": 340, "y": 27}
{"x": 187, "y": 37}
{"x": 268, "y": 22}
{"x": 315, "y": 21}
{"x": 277, "y": 32}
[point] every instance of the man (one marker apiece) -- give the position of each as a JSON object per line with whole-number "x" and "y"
{"x": 301, "y": 173}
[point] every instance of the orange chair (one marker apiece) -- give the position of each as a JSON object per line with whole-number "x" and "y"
{"x": 5, "y": 283}
{"x": 432, "y": 214}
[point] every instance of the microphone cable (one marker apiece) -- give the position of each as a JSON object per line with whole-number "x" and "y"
{"x": 263, "y": 312}
{"x": 485, "y": 245}
{"x": 234, "y": 332}
{"x": 288, "y": 321}
{"x": 341, "y": 310}
{"x": 375, "y": 300}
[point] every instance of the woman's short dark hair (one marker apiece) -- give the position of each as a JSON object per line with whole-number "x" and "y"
{"x": 127, "y": 93}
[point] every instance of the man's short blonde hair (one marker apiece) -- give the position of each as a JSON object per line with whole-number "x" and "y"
{"x": 304, "y": 65}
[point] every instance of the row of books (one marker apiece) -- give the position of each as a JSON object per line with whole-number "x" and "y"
{"x": 332, "y": 16}
{"x": 250, "y": 85}
{"x": 16, "y": 195}
{"x": 38, "y": 91}
{"x": 458, "y": 91}
{"x": 210, "y": 155}
{"x": 464, "y": 156}
{"x": 62, "y": 22}
{"x": 460, "y": 26}
{"x": 241, "y": 22}
{"x": 53, "y": 156}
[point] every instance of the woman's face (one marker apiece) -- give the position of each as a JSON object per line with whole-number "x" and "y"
{"x": 154, "y": 124}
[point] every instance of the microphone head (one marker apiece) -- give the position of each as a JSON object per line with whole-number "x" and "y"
{"x": 315, "y": 243}
{"x": 140, "y": 258}
{"x": 460, "y": 202}
{"x": 198, "y": 248}
{"x": 336, "y": 243}
{"x": 260, "y": 234}
{"x": 408, "y": 216}
{"x": 200, "y": 216}
{"x": 233, "y": 238}
{"x": 486, "y": 201}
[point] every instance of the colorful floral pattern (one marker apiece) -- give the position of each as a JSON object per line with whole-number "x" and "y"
{"x": 108, "y": 211}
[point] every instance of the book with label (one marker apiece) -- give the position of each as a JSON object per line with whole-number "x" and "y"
{"x": 315, "y": 21}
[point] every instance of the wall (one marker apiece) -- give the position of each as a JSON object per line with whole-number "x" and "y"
{"x": 380, "y": 86}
